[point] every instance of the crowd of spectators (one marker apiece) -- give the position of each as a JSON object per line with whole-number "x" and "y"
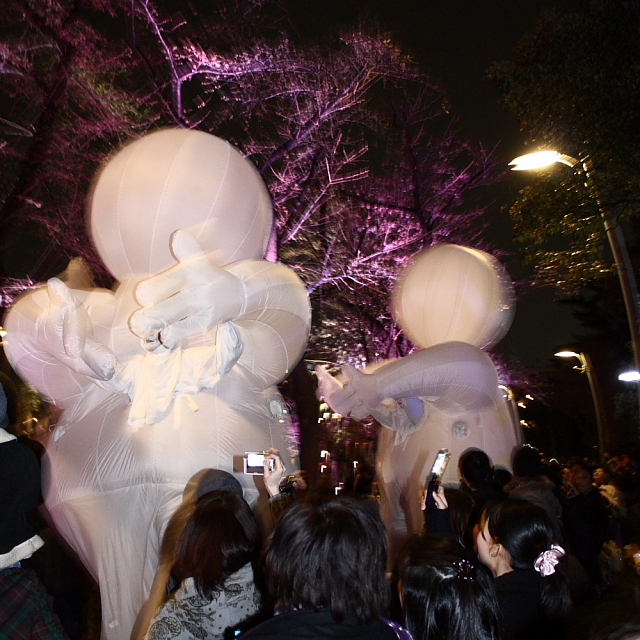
{"x": 502, "y": 556}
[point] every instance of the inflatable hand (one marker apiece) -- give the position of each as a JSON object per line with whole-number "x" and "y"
{"x": 186, "y": 300}
{"x": 358, "y": 397}
{"x": 327, "y": 384}
{"x": 70, "y": 335}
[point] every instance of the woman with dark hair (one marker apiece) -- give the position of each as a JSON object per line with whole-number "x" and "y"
{"x": 325, "y": 568}
{"x": 445, "y": 595}
{"x": 451, "y": 517}
{"x": 516, "y": 543}
{"x": 213, "y": 556}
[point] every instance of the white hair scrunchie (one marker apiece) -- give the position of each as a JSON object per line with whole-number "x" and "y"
{"x": 546, "y": 562}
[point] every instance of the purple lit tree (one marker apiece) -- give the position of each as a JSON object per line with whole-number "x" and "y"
{"x": 362, "y": 159}
{"x": 68, "y": 99}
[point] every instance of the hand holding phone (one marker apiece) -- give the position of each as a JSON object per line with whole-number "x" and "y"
{"x": 434, "y": 478}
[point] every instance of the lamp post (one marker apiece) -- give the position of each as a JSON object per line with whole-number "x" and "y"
{"x": 617, "y": 242}
{"x": 585, "y": 367}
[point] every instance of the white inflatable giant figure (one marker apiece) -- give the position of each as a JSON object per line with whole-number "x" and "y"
{"x": 172, "y": 372}
{"x": 453, "y": 302}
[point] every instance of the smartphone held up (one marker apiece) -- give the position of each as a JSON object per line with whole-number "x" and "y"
{"x": 435, "y": 477}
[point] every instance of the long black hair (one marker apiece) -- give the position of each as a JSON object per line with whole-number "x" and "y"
{"x": 446, "y": 593}
{"x": 525, "y": 530}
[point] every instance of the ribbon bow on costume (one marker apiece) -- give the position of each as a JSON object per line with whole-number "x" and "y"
{"x": 546, "y": 562}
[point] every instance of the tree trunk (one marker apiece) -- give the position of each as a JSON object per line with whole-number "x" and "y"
{"x": 301, "y": 389}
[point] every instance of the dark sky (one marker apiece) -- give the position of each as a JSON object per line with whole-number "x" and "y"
{"x": 455, "y": 41}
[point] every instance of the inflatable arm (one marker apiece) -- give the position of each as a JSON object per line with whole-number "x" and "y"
{"x": 453, "y": 376}
{"x": 54, "y": 328}
{"x": 266, "y": 301}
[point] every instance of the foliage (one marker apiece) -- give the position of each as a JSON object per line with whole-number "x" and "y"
{"x": 574, "y": 85}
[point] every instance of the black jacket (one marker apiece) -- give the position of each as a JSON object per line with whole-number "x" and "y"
{"x": 311, "y": 624}
{"x": 19, "y": 494}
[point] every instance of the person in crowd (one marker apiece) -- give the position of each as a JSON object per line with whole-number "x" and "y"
{"x": 500, "y": 478}
{"x": 164, "y": 582}
{"x": 444, "y": 592}
{"x": 213, "y": 562}
{"x": 19, "y": 495}
{"x": 326, "y": 570}
{"x": 282, "y": 488}
{"x": 611, "y": 493}
{"x": 454, "y": 522}
{"x": 530, "y": 483}
{"x": 57, "y": 567}
{"x": 516, "y": 543}
{"x": 26, "y": 609}
{"x": 35, "y": 419}
{"x": 474, "y": 468}
{"x": 585, "y": 518}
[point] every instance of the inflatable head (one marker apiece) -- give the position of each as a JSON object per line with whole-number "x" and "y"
{"x": 177, "y": 179}
{"x": 449, "y": 292}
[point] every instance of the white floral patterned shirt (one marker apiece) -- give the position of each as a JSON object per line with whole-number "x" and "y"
{"x": 187, "y": 615}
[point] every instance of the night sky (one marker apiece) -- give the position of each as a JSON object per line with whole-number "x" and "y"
{"x": 455, "y": 41}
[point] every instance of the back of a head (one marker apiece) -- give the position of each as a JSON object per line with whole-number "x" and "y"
{"x": 330, "y": 555}
{"x": 220, "y": 536}
{"x": 525, "y": 530}
{"x": 446, "y": 593}
{"x": 522, "y": 528}
{"x": 475, "y": 467}
{"x": 527, "y": 462}
{"x": 500, "y": 478}
{"x": 460, "y": 510}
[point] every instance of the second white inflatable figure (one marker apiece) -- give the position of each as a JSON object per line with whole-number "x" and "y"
{"x": 453, "y": 302}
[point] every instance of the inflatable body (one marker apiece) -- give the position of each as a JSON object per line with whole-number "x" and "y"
{"x": 172, "y": 372}
{"x": 452, "y": 301}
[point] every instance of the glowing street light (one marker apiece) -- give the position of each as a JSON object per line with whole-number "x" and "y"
{"x": 626, "y": 274}
{"x": 567, "y": 354}
{"x": 540, "y": 159}
{"x": 585, "y": 367}
{"x": 629, "y": 376}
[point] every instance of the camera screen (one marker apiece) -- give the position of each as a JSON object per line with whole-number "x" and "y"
{"x": 254, "y": 463}
{"x": 255, "y": 460}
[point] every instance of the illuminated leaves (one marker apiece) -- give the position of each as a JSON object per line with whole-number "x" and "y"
{"x": 573, "y": 83}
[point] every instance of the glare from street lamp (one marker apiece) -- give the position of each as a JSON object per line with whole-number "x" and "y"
{"x": 540, "y": 159}
{"x": 567, "y": 354}
{"x": 629, "y": 376}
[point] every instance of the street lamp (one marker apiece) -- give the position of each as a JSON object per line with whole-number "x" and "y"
{"x": 585, "y": 367}
{"x": 618, "y": 245}
{"x": 540, "y": 159}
